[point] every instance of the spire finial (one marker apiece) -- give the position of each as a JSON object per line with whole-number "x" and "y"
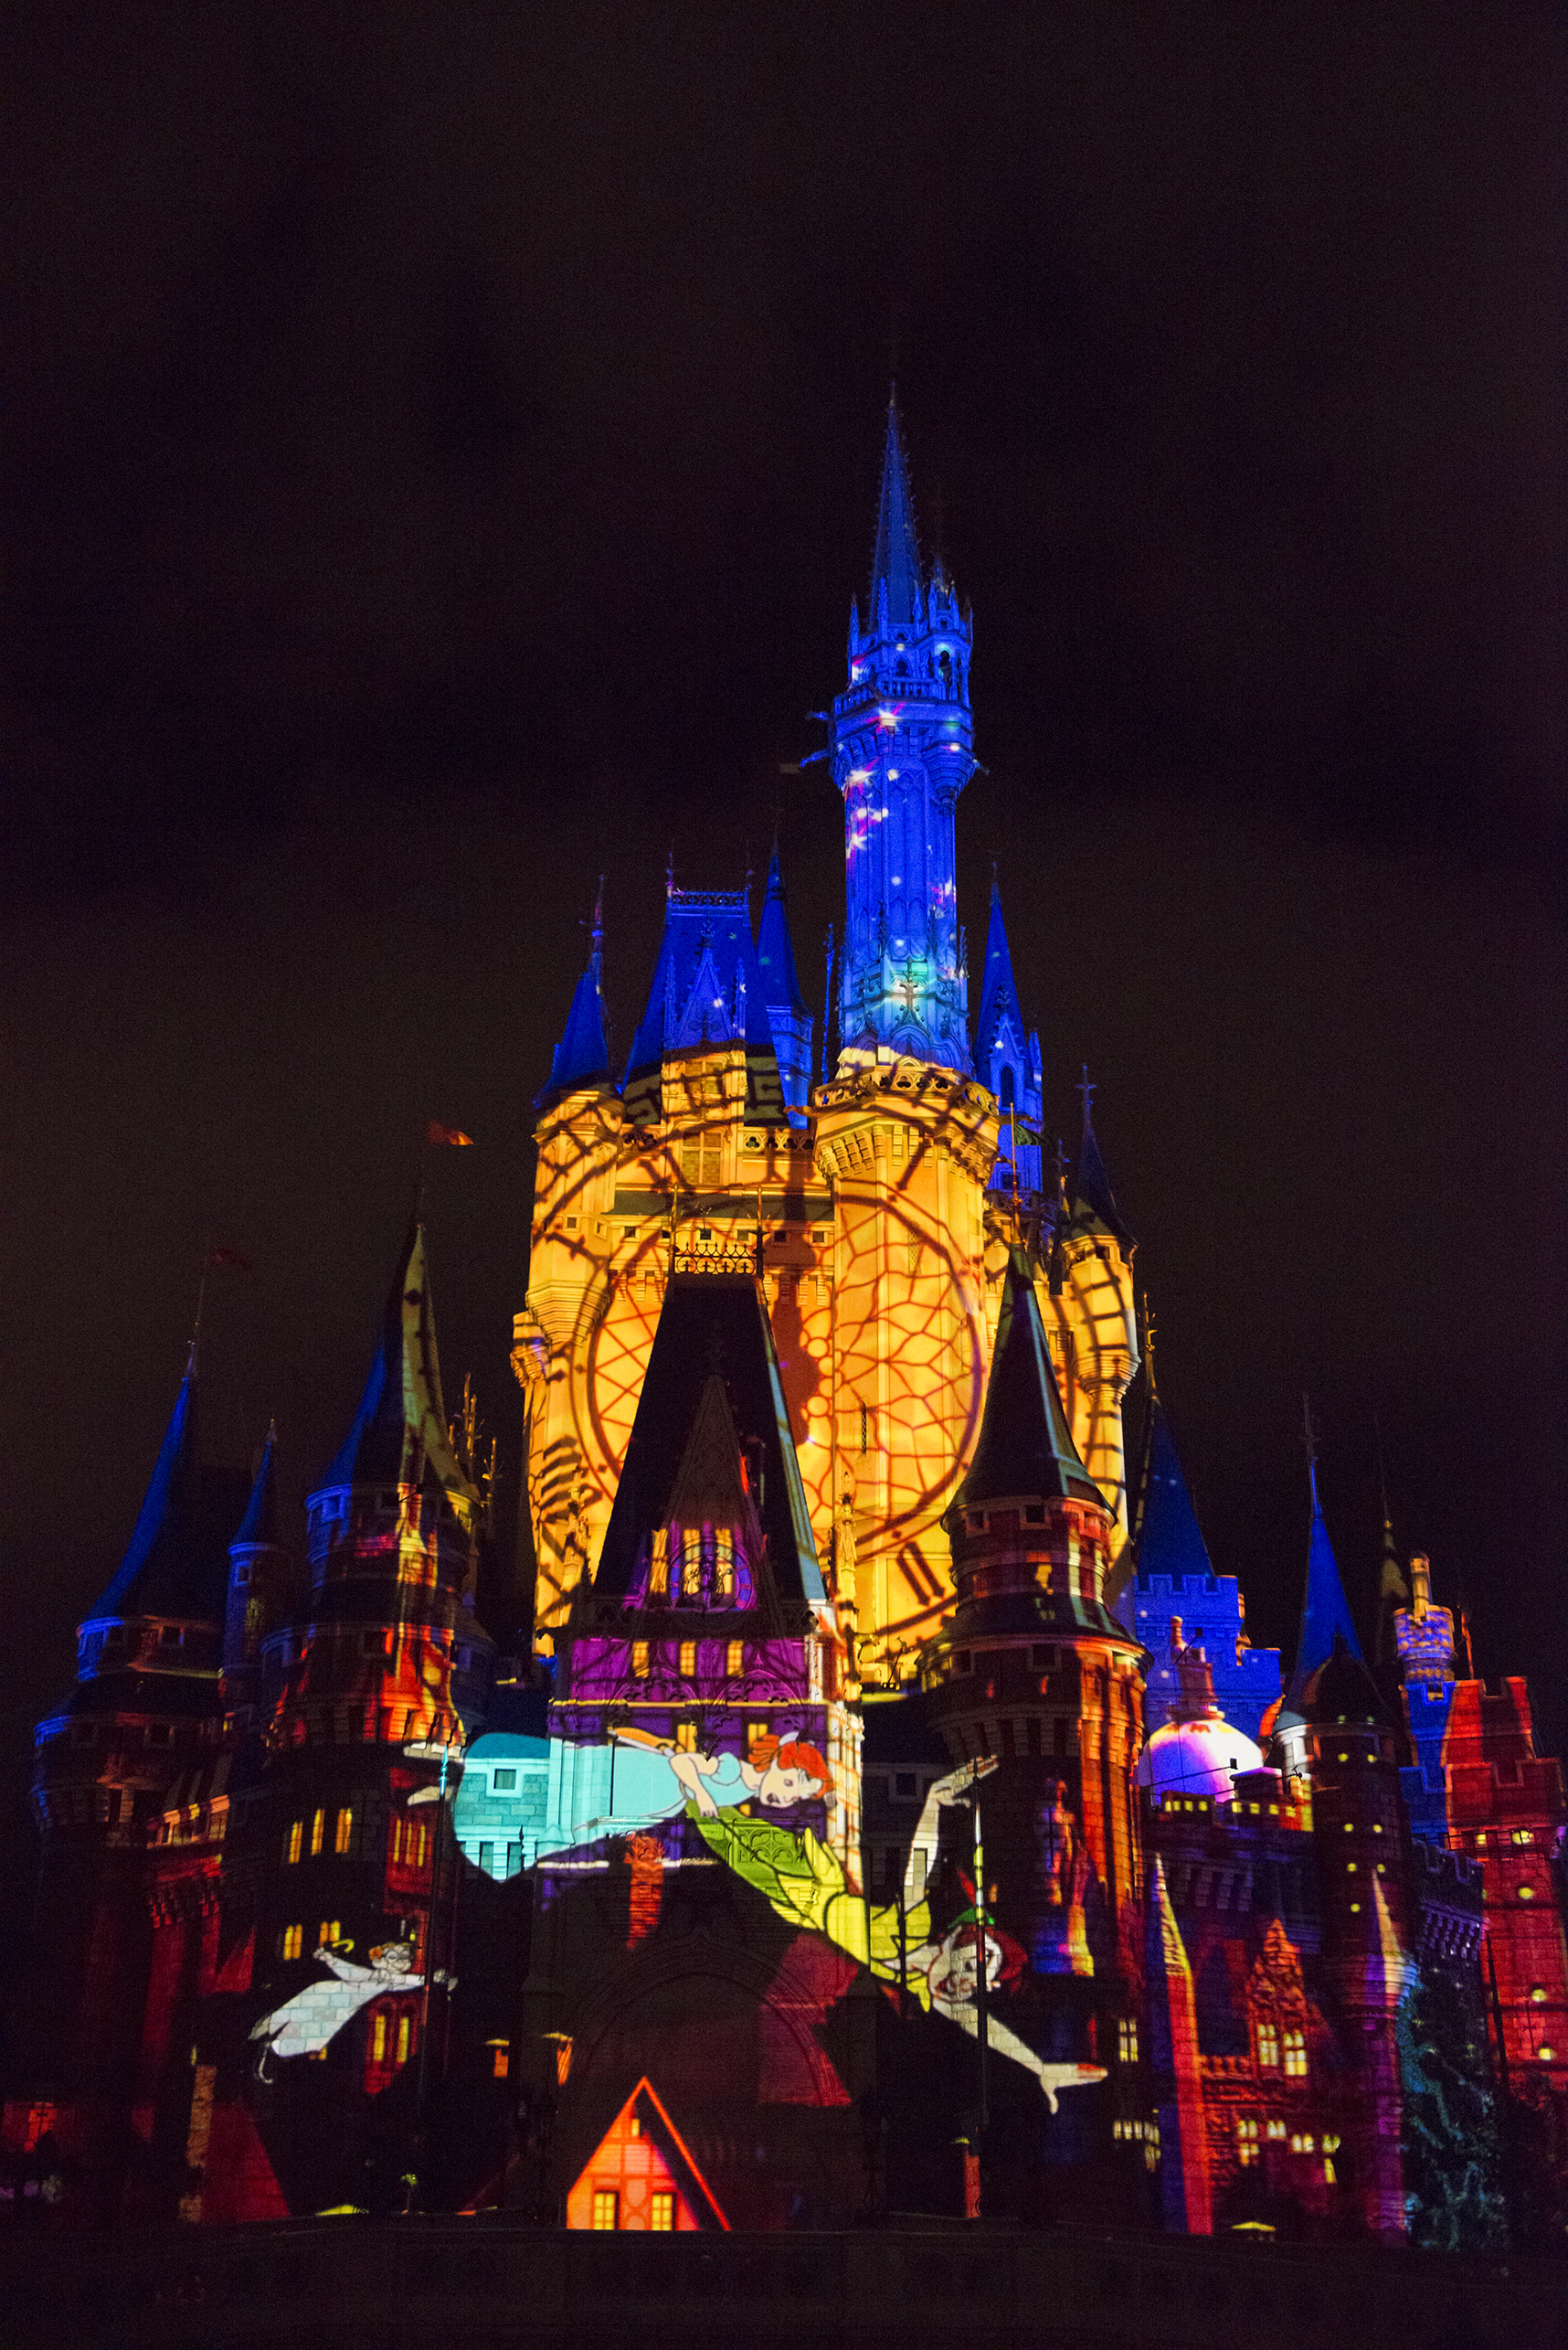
{"x": 670, "y": 872}
{"x": 1309, "y": 1438}
{"x": 1147, "y": 1329}
{"x": 1085, "y": 1090}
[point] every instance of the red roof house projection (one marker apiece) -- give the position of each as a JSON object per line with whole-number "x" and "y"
{"x": 642, "y": 2175}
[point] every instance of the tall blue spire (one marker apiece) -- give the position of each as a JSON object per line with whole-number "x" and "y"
{"x": 903, "y": 750}
{"x": 1167, "y": 1537}
{"x": 177, "y": 1562}
{"x": 1325, "y": 1612}
{"x": 580, "y": 1062}
{"x": 787, "y": 1017}
{"x": 1007, "y": 1059}
{"x": 896, "y": 564}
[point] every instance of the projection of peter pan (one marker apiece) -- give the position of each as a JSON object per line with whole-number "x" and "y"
{"x": 806, "y": 1886}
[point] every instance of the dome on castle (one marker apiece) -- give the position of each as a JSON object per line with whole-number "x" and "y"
{"x": 1197, "y": 1751}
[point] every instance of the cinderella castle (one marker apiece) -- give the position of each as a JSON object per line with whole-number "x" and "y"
{"x": 873, "y": 1805}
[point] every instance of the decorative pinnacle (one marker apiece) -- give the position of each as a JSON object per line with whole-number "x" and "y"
{"x": 1309, "y": 1437}
{"x": 1085, "y": 1090}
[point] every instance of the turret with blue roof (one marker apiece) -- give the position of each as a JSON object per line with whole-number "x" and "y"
{"x": 1007, "y": 1059}
{"x": 787, "y": 1015}
{"x": 580, "y": 1063}
{"x": 1326, "y": 1620}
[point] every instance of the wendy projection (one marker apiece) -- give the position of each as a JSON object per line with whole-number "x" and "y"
{"x": 846, "y": 1812}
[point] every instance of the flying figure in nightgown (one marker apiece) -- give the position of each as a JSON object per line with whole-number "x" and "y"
{"x": 303, "y": 2025}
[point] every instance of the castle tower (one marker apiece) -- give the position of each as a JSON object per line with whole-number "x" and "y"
{"x": 1098, "y": 1324}
{"x": 1032, "y": 1669}
{"x": 144, "y": 1710}
{"x": 260, "y": 1592}
{"x": 1007, "y": 1059}
{"x": 903, "y": 750}
{"x": 1368, "y": 1926}
{"x": 787, "y": 1015}
{"x": 344, "y": 1861}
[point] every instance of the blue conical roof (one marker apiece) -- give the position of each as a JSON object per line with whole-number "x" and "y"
{"x": 581, "y": 1060}
{"x": 176, "y": 1563}
{"x": 1027, "y": 1449}
{"x": 400, "y": 1433}
{"x": 999, "y": 994}
{"x": 895, "y": 565}
{"x": 775, "y": 954}
{"x": 1325, "y": 1612}
{"x": 1169, "y": 1539}
{"x": 259, "y": 1523}
{"x": 1090, "y": 1199}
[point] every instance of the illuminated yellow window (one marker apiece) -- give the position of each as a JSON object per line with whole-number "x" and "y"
{"x": 634, "y": 2127}
{"x": 691, "y": 1562}
{"x": 658, "y": 1569}
{"x": 318, "y": 1833}
{"x": 606, "y": 2208}
{"x": 296, "y": 1841}
{"x": 345, "y": 1831}
{"x": 1268, "y": 2045}
{"x": 1127, "y": 2041}
{"x": 405, "y": 2035}
{"x": 640, "y": 1659}
{"x": 735, "y": 1661}
{"x": 501, "y": 2062}
{"x": 1296, "y": 2054}
{"x": 1328, "y": 2171}
{"x": 420, "y": 1839}
{"x": 688, "y": 1659}
{"x": 331, "y": 1932}
{"x": 294, "y": 1942}
{"x": 723, "y": 1562}
{"x": 378, "y": 2040}
{"x": 686, "y": 1736}
{"x": 662, "y": 2213}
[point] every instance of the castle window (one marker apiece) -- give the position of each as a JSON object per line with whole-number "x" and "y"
{"x": 1548, "y": 2056}
{"x": 1295, "y": 2054}
{"x": 504, "y": 1779}
{"x": 405, "y": 2038}
{"x": 318, "y": 1833}
{"x": 1267, "y": 2046}
{"x": 378, "y": 2039}
{"x": 331, "y": 1932}
{"x": 1537, "y": 1994}
{"x": 171, "y": 1635}
{"x": 487, "y": 1858}
{"x": 661, "y": 2213}
{"x": 640, "y": 1660}
{"x": 1126, "y": 2040}
{"x": 343, "y": 1835}
{"x": 500, "y": 2063}
{"x": 724, "y": 1561}
{"x": 1521, "y": 1836}
{"x": 1247, "y": 2142}
{"x": 686, "y": 1736}
{"x": 291, "y": 1942}
{"x": 735, "y": 1659}
{"x": 1033, "y": 1513}
{"x": 296, "y": 1841}
{"x": 606, "y": 2208}
{"x": 160, "y": 1733}
{"x": 691, "y": 1552}
{"x": 688, "y": 1659}
{"x": 241, "y": 1575}
{"x": 659, "y": 1572}
{"x": 372, "y": 1643}
{"x": 1527, "y": 1892}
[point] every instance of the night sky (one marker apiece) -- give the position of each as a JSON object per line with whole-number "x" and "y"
{"x": 443, "y": 444}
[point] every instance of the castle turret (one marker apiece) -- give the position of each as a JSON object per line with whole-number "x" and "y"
{"x": 787, "y": 1017}
{"x": 1324, "y": 1618}
{"x": 1007, "y": 1059}
{"x": 1031, "y": 1669}
{"x": 580, "y": 1062}
{"x": 260, "y": 1589}
{"x": 1364, "y": 1869}
{"x": 903, "y": 750}
{"x": 1094, "y": 1277}
{"x": 144, "y": 1710}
